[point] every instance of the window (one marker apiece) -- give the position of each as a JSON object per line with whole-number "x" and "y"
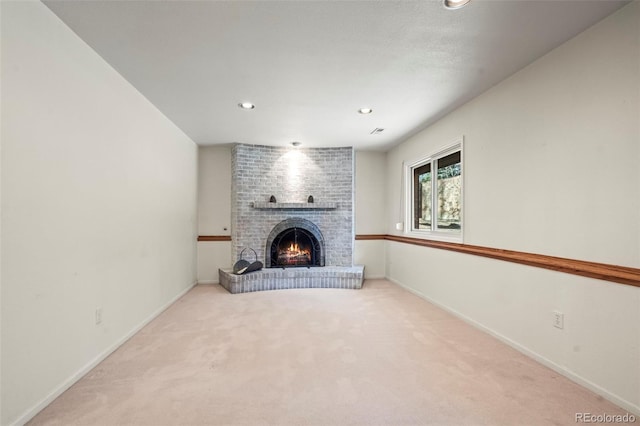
{"x": 434, "y": 195}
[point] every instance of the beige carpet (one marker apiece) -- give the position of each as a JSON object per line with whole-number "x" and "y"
{"x": 376, "y": 356}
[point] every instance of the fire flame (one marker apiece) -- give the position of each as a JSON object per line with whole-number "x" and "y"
{"x": 293, "y": 254}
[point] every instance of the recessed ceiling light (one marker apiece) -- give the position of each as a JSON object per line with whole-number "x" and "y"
{"x": 246, "y": 105}
{"x": 296, "y": 143}
{"x": 365, "y": 111}
{"x": 455, "y": 4}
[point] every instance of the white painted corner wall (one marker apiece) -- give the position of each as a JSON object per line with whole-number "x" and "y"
{"x": 551, "y": 167}
{"x": 214, "y": 190}
{"x": 214, "y": 211}
{"x": 370, "y": 211}
{"x": 213, "y": 255}
{"x": 99, "y": 193}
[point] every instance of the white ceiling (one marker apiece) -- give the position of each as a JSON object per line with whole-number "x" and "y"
{"x": 309, "y": 65}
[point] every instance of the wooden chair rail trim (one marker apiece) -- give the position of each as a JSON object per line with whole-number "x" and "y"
{"x": 371, "y": 237}
{"x": 214, "y": 237}
{"x": 602, "y": 271}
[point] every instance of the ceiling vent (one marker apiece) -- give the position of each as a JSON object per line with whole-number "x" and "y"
{"x": 377, "y": 131}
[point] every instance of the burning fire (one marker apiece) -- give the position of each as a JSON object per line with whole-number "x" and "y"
{"x": 295, "y": 255}
{"x": 295, "y": 251}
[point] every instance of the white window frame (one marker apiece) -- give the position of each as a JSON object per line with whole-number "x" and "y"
{"x": 433, "y": 234}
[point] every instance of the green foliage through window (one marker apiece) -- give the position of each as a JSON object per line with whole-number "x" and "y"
{"x": 437, "y": 203}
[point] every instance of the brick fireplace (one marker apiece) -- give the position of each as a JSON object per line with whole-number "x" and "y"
{"x": 291, "y": 176}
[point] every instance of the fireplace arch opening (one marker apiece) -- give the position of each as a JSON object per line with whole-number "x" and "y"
{"x": 295, "y": 242}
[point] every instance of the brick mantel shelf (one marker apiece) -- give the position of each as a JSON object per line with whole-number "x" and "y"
{"x": 294, "y": 206}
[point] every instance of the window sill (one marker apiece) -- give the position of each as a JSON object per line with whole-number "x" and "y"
{"x": 449, "y": 237}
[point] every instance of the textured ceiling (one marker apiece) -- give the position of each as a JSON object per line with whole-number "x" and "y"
{"x": 309, "y": 65}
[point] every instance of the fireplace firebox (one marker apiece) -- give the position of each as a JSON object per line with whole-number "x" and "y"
{"x": 295, "y": 242}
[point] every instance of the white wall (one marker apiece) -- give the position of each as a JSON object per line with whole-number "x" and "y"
{"x": 214, "y": 211}
{"x": 99, "y": 195}
{"x": 551, "y": 166}
{"x": 370, "y": 183}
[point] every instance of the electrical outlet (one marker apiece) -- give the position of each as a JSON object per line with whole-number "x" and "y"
{"x": 98, "y": 316}
{"x": 558, "y": 319}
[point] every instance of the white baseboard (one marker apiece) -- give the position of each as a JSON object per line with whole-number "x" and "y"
{"x": 208, "y": 282}
{"x": 31, "y": 413}
{"x": 621, "y": 402}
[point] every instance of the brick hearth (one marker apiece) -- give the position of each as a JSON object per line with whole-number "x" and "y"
{"x": 348, "y": 277}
